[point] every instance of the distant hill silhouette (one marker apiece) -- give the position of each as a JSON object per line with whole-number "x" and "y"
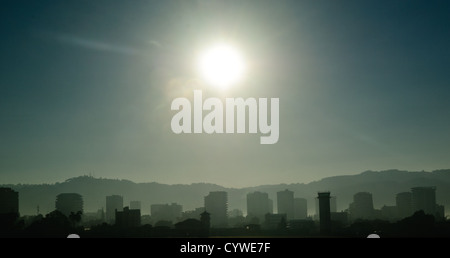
{"x": 384, "y": 185}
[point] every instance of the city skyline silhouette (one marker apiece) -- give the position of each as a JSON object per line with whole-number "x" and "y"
{"x": 199, "y": 118}
{"x": 418, "y": 208}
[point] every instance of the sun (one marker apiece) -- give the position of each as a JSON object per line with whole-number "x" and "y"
{"x": 221, "y": 66}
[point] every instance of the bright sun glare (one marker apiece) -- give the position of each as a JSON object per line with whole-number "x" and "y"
{"x": 221, "y": 66}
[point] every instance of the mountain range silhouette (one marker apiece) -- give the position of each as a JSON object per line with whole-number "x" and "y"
{"x": 383, "y": 185}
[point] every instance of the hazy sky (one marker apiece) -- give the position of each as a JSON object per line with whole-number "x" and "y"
{"x": 86, "y": 87}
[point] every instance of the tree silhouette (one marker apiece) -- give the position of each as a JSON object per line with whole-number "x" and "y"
{"x": 55, "y": 224}
{"x": 75, "y": 218}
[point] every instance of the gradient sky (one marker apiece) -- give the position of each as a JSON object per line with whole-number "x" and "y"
{"x": 86, "y": 87}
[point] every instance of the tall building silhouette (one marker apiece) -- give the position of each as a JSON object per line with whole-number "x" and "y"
{"x": 285, "y": 203}
{"x": 258, "y": 205}
{"x": 128, "y": 218}
{"x": 324, "y": 212}
{"x": 113, "y": 203}
{"x": 333, "y": 206}
{"x": 424, "y": 198}
{"x": 216, "y": 204}
{"x": 205, "y": 223}
{"x": 403, "y": 202}
{"x": 67, "y": 203}
{"x": 169, "y": 212}
{"x": 9, "y": 201}
{"x": 362, "y": 206}
{"x": 300, "y": 208}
